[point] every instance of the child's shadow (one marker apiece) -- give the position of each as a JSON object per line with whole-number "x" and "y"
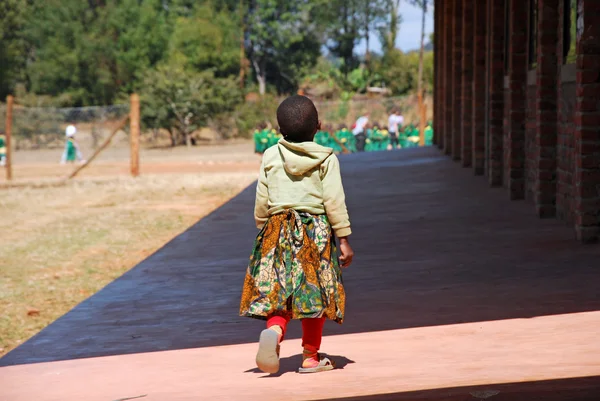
{"x": 291, "y": 364}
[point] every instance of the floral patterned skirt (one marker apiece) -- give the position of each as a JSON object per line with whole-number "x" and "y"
{"x": 294, "y": 270}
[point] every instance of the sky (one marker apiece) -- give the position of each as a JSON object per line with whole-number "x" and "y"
{"x": 409, "y": 33}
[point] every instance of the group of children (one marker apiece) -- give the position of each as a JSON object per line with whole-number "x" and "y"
{"x": 264, "y": 138}
{"x": 343, "y": 140}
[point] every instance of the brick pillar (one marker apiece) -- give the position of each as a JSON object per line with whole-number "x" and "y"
{"x": 478, "y": 85}
{"x": 546, "y": 108}
{"x": 467, "y": 83}
{"x": 587, "y": 121}
{"x": 437, "y": 90}
{"x": 457, "y": 49}
{"x": 516, "y": 108}
{"x": 448, "y": 77}
{"x": 496, "y": 92}
{"x": 441, "y": 87}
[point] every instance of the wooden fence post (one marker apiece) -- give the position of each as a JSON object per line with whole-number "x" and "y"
{"x": 8, "y": 129}
{"x": 134, "y": 132}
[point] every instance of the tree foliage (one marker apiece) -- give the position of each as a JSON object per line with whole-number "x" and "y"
{"x": 185, "y": 57}
{"x": 181, "y": 100}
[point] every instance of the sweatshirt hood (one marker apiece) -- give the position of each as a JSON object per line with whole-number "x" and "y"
{"x": 299, "y": 158}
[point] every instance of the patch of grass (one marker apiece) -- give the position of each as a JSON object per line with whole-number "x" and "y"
{"x": 61, "y": 245}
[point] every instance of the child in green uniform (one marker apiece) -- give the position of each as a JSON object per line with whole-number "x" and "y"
{"x": 260, "y": 139}
{"x": 334, "y": 141}
{"x": 412, "y": 136}
{"x": 429, "y": 134}
{"x": 71, "y": 152}
{"x": 322, "y": 138}
{"x": 369, "y": 140}
{"x": 2, "y": 149}
{"x": 346, "y": 138}
{"x": 385, "y": 139}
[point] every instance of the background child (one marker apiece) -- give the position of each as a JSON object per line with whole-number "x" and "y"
{"x": 261, "y": 142}
{"x": 71, "y": 152}
{"x": 294, "y": 271}
{"x": 2, "y": 148}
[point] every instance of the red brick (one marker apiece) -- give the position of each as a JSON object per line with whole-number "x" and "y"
{"x": 588, "y": 76}
{"x": 586, "y": 220}
{"x": 587, "y": 119}
{"x": 588, "y": 90}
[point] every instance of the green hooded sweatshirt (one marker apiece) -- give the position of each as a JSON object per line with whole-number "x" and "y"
{"x": 305, "y": 177}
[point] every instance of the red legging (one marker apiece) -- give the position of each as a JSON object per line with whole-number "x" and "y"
{"x": 312, "y": 330}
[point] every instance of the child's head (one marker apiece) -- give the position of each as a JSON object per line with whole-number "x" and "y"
{"x": 342, "y": 126}
{"x": 298, "y": 119}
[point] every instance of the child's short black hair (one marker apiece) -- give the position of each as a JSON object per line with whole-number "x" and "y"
{"x": 298, "y": 119}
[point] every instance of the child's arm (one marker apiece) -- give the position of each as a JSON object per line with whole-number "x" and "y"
{"x": 261, "y": 205}
{"x": 334, "y": 198}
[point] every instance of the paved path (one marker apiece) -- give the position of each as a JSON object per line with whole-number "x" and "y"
{"x": 438, "y": 255}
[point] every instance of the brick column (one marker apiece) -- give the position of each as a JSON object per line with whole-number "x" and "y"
{"x": 478, "y": 85}
{"x": 587, "y": 121}
{"x": 467, "y": 83}
{"x": 546, "y": 108}
{"x": 516, "y": 108}
{"x": 496, "y": 92}
{"x": 457, "y": 49}
{"x": 448, "y": 77}
{"x": 437, "y": 89}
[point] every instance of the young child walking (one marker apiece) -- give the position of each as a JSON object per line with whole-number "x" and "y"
{"x": 294, "y": 270}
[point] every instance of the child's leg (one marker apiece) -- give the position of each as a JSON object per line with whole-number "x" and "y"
{"x": 279, "y": 324}
{"x": 267, "y": 358}
{"x": 312, "y": 333}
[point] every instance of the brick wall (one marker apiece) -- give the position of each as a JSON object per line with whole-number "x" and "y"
{"x": 438, "y": 129}
{"x": 565, "y": 163}
{"x": 530, "y": 144}
{"x": 466, "y": 131}
{"x": 448, "y": 76}
{"x": 587, "y": 120}
{"x": 479, "y": 86}
{"x": 457, "y": 49}
{"x": 496, "y": 92}
{"x": 547, "y": 71}
{"x": 540, "y": 130}
{"x": 516, "y": 100}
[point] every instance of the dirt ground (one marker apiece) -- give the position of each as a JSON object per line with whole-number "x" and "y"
{"x": 43, "y": 165}
{"x": 62, "y": 244}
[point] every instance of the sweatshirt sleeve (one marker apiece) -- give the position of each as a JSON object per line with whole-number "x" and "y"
{"x": 261, "y": 205}
{"x": 334, "y": 198}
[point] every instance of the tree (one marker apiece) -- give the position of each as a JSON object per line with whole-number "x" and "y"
{"x": 276, "y": 30}
{"x": 423, "y": 4}
{"x": 138, "y": 35}
{"x": 373, "y": 13}
{"x": 388, "y": 33}
{"x": 12, "y": 44}
{"x": 343, "y": 26}
{"x": 181, "y": 101}
{"x": 208, "y": 40}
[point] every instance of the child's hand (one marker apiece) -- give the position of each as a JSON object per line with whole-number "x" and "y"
{"x": 347, "y": 252}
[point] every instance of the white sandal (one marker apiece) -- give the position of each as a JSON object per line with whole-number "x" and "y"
{"x": 324, "y": 365}
{"x": 267, "y": 357}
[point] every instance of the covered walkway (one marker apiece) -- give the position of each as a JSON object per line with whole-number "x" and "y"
{"x": 456, "y": 293}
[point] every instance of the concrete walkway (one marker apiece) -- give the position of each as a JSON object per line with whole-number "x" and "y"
{"x": 445, "y": 271}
